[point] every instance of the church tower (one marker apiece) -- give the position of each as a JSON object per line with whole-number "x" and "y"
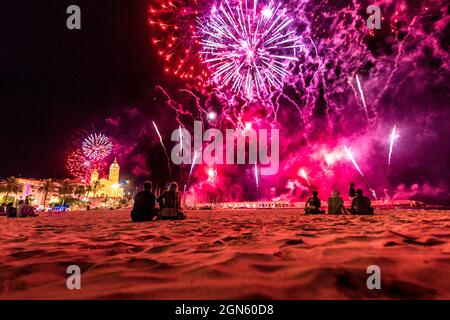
{"x": 114, "y": 171}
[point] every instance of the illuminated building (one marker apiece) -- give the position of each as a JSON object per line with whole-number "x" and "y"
{"x": 110, "y": 187}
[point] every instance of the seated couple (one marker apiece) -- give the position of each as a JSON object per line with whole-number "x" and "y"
{"x": 360, "y": 204}
{"x": 23, "y": 210}
{"x": 169, "y": 204}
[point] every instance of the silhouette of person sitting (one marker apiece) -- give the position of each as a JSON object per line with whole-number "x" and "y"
{"x": 336, "y": 203}
{"x": 144, "y": 204}
{"x": 312, "y": 205}
{"x": 24, "y": 209}
{"x": 170, "y": 204}
{"x": 361, "y": 204}
{"x": 11, "y": 212}
{"x": 352, "y": 191}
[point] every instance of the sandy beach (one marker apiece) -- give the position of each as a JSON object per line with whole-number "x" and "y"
{"x": 229, "y": 254}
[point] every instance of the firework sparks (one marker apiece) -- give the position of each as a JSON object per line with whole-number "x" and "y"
{"x": 212, "y": 175}
{"x": 192, "y": 167}
{"x": 303, "y": 174}
{"x": 164, "y": 148}
{"x": 80, "y": 167}
{"x": 97, "y": 147}
{"x": 174, "y": 36}
{"x": 391, "y": 145}
{"x": 248, "y": 48}
{"x": 352, "y": 159}
{"x": 363, "y": 98}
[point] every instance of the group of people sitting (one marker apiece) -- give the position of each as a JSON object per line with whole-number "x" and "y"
{"x": 169, "y": 202}
{"x": 360, "y": 204}
{"x": 23, "y": 210}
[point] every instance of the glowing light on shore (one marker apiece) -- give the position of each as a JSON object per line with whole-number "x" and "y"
{"x": 212, "y": 175}
{"x": 352, "y": 159}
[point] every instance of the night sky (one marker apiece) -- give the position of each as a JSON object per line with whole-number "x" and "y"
{"x": 58, "y": 86}
{"x": 55, "y": 81}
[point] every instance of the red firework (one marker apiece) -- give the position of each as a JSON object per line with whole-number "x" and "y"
{"x": 81, "y": 167}
{"x": 174, "y": 36}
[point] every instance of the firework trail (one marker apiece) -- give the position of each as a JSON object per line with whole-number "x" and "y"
{"x": 192, "y": 168}
{"x": 325, "y": 52}
{"x": 391, "y": 146}
{"x": 257, "y": 180}
{"x": 304, "y": 176}
{"x": 352, "y": 159}
{"x": 374, "y": 194}
{"x": 248, "y": 48}
{"x": 363, "y": 99}
{"x": 165, "y": 150}
{"x": 97, "y": 147}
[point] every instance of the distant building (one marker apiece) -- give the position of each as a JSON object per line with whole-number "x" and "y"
{"x": 110, "y": 187}
{"x": 30, "y": 189}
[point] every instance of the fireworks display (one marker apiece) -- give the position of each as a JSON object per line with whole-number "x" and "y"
{"x": 303, "y": 174}
{"x": 352, "y": 159}
{"x": 391, "y": 145}
{"x": 164, "y": 148}
{"x": 313, "y": 70}
{"x": 174, "y": 36}
{"x": 97, "y": 147}
{"x": 248, "y": 46}
{"x": 363, "y": 98}
{"x": 80, "y": 167}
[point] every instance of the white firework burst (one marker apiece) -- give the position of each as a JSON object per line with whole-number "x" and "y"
{"x": 97, "y": 146}
{"x": 248, "y": 47}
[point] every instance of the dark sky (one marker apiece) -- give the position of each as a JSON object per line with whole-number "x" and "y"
{"x": 55, "y": 81}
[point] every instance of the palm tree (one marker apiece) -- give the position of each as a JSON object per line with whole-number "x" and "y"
{"x": 46, "y": 187}
{"x": 65, "y": 189}
{"x": 88, "y": 190}
{"x": 10, "y": 185}
{"x": 80, "y": 190}
{"x": 95, "y": 186}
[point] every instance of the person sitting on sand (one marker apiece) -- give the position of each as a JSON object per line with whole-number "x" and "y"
{"x": 25, "y": 210}
{"x": 3, "y": 209}
{"x": 20, "y": 208}
{"x": 352, "y": 191}
{"x": 11, "y": 212}
{"x": 170, "y": 204}
{"x": 144, "y": 204}
{"x": 336, "y": 204}
{"x": 312, "y": 205}
{"x": 361, "y": 204}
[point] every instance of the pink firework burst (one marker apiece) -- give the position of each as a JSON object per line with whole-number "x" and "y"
{"x": 248, "y": 46}
{"x": 97, "y": 147}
